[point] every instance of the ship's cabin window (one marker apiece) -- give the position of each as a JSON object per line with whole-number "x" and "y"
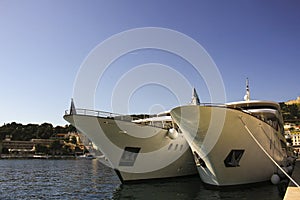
{"x": 161, "y": 124}
{"x": 144, "y": 123}
{"x": 157, "y": 124}
{"x": 269, "y": 116}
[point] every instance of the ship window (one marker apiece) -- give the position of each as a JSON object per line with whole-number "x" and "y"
{"x": 170, "y": 146}
{"x": 129, "y": 156}
{"x": 176, "y": 128}
{"x": 233, "y": 158}
{"x": 176, "y": 147}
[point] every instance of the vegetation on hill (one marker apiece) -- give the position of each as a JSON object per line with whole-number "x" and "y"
{"x": 32, "y": 131}
{"x": 19, "y": 132}
{"x": 290, "y": 113}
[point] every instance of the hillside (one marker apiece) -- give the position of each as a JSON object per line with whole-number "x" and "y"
{"x": 27, "y": 132}
{"x": 290, "y": 113}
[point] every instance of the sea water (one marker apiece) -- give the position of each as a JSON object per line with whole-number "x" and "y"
{"x": 90, "y": 179}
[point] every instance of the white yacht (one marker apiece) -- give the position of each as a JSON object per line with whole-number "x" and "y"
{"x": 234, "y": 143}
{"x": 138, "y": 147}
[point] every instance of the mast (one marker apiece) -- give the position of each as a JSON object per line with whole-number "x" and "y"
{"x": 247, "y": 95}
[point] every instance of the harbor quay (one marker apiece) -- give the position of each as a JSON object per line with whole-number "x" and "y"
{"x": 293, "y": 191}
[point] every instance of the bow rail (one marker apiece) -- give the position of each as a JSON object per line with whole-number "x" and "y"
{"x": 103, "y": 114}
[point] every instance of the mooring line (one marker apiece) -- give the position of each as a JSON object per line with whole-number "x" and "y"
{"x": 283, "y": 171}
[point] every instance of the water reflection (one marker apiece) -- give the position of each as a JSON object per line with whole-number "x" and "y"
{"x": 179, "y": 188}
{"x": 193, "y": 188}
{"x": 90, "y": 179}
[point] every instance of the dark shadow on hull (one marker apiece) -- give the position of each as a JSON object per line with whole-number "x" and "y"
{"x": 235, "y": 187}
{"x": 152, "y": 180}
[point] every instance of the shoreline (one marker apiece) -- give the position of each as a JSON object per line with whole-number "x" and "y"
{"x": 21, "y": 157}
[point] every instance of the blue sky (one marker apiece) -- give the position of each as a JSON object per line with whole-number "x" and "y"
{"x": 43, "y": 44}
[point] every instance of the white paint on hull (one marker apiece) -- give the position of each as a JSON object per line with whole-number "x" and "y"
{"x": 254, "y": 165}
{"x": 158, "y": 157}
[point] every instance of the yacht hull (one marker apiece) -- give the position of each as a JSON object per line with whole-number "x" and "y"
{"x": 137, "y": 152}
{"x": 229, "y": 155}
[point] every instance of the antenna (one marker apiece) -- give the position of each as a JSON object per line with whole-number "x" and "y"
{"x": 247, "y": 95}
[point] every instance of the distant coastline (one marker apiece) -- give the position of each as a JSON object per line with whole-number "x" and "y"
{"x": 33, "y": 156}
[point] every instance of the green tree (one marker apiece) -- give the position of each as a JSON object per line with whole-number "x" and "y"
{"x": 41, "y": 149}
{"x": 32, "y": 131}
{"x": 290, "y": 112}
{"x": 56, "y": 147}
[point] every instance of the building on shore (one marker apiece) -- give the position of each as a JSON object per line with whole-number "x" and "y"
{"x": 68, "y": 143}
{"x": 296, "y": 141}
{"x": 23, "y": 147}
{"x": 290, "y": 102}
{"x": 294, "y": 138}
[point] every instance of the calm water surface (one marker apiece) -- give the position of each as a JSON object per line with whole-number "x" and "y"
{"x": 90, "y": 179}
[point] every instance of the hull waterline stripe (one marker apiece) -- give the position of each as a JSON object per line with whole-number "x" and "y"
{"x": 283, "y": 171}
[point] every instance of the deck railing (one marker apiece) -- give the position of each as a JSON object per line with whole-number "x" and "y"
{"x": 103, "y": 114}
{"x": 79, "y": 111}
